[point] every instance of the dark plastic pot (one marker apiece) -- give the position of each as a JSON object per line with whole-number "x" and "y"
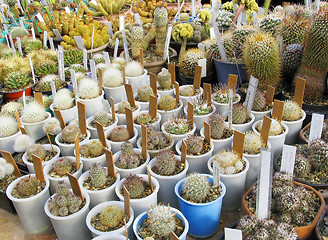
{"x": 177, "y": 45}
{"x": 223, "y": 70}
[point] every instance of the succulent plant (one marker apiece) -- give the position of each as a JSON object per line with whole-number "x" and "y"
{"x": 63, "y": 99}
{"x": 195, "y": 144}
{"x": 135, "y": 186}
{"x": 8, "y": 126}
{"x": 230, "y": 162}
{"x": 98, "y": 58}
{"x": 16, "y": 80}
{"x": 275, "y": 129}
{"x": 218, "y": 126}
{"x": 302, "y": 166}
{"x": 119, "y": 134}
{"x": 221, "y": 94}
{"x": 318, "y": 152}
{"x": 10, "y": 108}
{"x": 167, "y": 103}
{"x": 133, "y": 69}
{"x": 292, "y": 111}
{"x": 121, "y": 107}
{"x": 18, "y": 32}
{"x": 112, "y": 77}
{"x": 6, "y": 53}
{"x": 156, "y": 140}
{"x": 239, "y": 114}
{"x": 196, "y": 188}
{"x": 177, "y": 126}
{"x": 52, "y": 126}
{"x": 253, "y": 143}
{"x": 224, "y": 19}
{"x": 181, "y": 32}
{"x": 62, "y": 166}
{"x": 144, "y": 92}
{"x": 6, "y": 169}
{"x": 88, "y": 89}
{"x": 201, "y": 107}
{"x": 164, "y": 80}
{"x": 93, "y": 149}
{"x": 128, "y": 159}
{"x": 187, "y": 91}
{"x": 69, "y": 133}
{"x": 46, "y": 68}
{"x": 73, "y": 56}
{"x": 78, "y": 68}
{"x": 161, "y": 220}
{"x": 103, "y": 118}
{"x": 292, "y": 57}
{"x": 111, "y": 216}
{"x": 166, "y": 163}
{"x": 36, "y": 149}
{"x": 30, "y": 44}
{"x": 98, "y": 175}
{"x": 270, "y": 24}
{"x": 33, "y": 113}
{"x": 160, "y": 22}
{"x": 22, "y": 142}
{"x": 44, "y": 84}
{"x": 189, "y": 60}
{"x": 143, "y": 118}
{"x": 28, "y": 186}
{"x": 259, "y": 101}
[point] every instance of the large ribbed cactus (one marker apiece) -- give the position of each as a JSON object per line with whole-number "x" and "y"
{"x": 189, "y": 60}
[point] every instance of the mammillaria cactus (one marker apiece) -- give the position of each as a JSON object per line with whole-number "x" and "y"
{"x": 111, "y": 216}
{"x": 270, "y": 24}
{"x": 135, "y": 186}
{"x": 161, "y": 220}
{"x": 133, "y": 69}
{"x": 224, "y": 19}
{"x": 292, "y": 57}
{"x": 46, "y": 68}
{"x": 143, "y": 93}
{"x": 221, "y": 94}
{"x": 230, "y": 162}
{"x": 177, "y": 126}
{"x": 93, "y": 149}
{"x": 119, "y": 134}
{"x": 160, "y": 21}
{"x": 218, "y": 126}
{"x": 156, "y": 140}
{"x": 28, "y": 186}
{"x": 128, "y": 159}
{"x": 52, "y": 126}
{"x": 6, "y": 169}
{"x": 239, "y": 114}
{"x": 143, "y": 119}
{"x": 167, "y": 103}
{"x": 98, "y": 176}
{"x": 164, "y": 80}
{"x": 10, "y": 108}
{"x": 44, "y": 84}
{"x": 292, "y": 111}
{"x": 98, "y": 58}
{"x": 195, "y": 144}
{"x": 69, "y": 133}
{"x": 63, "y": 99}
{"x": 302, "y": 166}
{"x": 318, "y": 152}
{"x": 259, "y": 101}
{"x": 62, "y": 166}
{"x": 187, "y": 91}
{"x": 22, "y": 142}
{"x": 121, "y": 107}
{"x": 112, "y": 77}
{"x": 73, "y": 56}
{"x": 18, "y": 32}
{"x": 33, "y": 113}
{"x": 201, "y": 106}
{"x": 8, "y": 126}
{"x": 181, "y": 32}
{"x": 275, "y": 129}
{"x": 30, "y": 44}
{"x": 166, "y": 163}
{"x": 88, "y": 89}
{"x": 253, "y": 143}
{"x": 196, "y": 188}
{"x": 37, "y": 150}
{"x": 103, "y": 118}
{"x": 16, "y": 80}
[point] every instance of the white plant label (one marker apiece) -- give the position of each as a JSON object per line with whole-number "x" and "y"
{"x": 261, "y": 11}
{"x": 73, "y": 79}
{"x": 19, "y": 46}
{"x": 263, "y": 205}
{"x": 58, "y": 35}
{"x": 53, "y": 88}
{"x": 61, "y": 63}
{"x": 256, "y": 20}
{"x": 106, "y": 57}
{"x": 85, "y": 59}
{"x": 51, "y": 41}
{"x": 7, "y": 41}
{"x": 316, "y": 126}
{"x": 317, "y": 5}
{"x": 137, "y": 19}
{"x": 45, "y": 36}
{"x": 239, "y": 20}
{"x": 252, "y": 86}
{"x": 233, "y": 234}
{"x": 177, "y": 16}
{"x": 24, "y": 98}
{"x": 126, "y": 49}
{"x": 12, "y": 44}
{"x": 117, "y": 41}
{"x": 214, "y": 10}
{"x": 193, "y": 8}
{"x": 219, "y": 42}
{"x": 92, "y": 39}
{"x": 121, "y": 22}
{"x": 5, "y": 27}
{"x": 67, "y": 10}
{"x": 32, "y": 69}
{"x": 230, "y": 108}
{"x": 19, "y": 5}
{"x": 33, "y": 33}
{"x": 201, "y": 46}
{"x": 288, "y": 159}
{"x": 40, "y": 18}
{"x": 243, "y": 17}
{"x": 202, "y": 63}
{"x": 21, "y": 23}
{"x": 167, "y": 42}
{"x": 110, "y": 29}
{"x": 216, "y": 173}
{"x": 234, "y": 7}
{"x": 93, "y": 69}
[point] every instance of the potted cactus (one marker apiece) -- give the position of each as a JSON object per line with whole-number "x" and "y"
{"x": 165, "y": 86}
{"x": 144, "y": 118}
{"x": 108, "y": 218}
{"x": 118, "y": 135}
{"x": 242, "y": 120}
{"x": 142, "y": 197}
{"x": 56, "y": 171}
{"x": 220, "y": 99}
{"x": 52, "y": 127}
{"x": 102, "y": 117}
{"x": 67, "y": 213}
{"x": 113, "y": 83}
{"x": 44, "y": 152}
{"x": 168, "y": 169}
{"x": 159, "y": 221}
{"x": 29, "y": 195}
{"x": 99, "y": 185}
{"x": 8, "y": 133}
{"x": 65, "y": 102}
{"x": 130, "y": 160}
{"x": 168, "y": 108}
{"x": 6, "y": 177}
{"x": 198, "y": 152}
{"x": 142, "y": 97}
{"x": 260, "y": 107}
{"x": 33, "y": 118}
{"x": 189, "y": 93}
{"x": 44, "y": 84}
{"x": 120, "y": 111}
{"x": 135, "y": 75}
{"x": 200, "y": 201}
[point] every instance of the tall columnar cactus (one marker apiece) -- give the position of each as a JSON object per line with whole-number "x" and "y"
{"x": 16, "y": 80}
{"x": 195, "y": 144}
{"x": 292, "y": 57}
{"x": 33, "y": 113}
{"x": 167, "y": 103}
{"x": 111, "y": 216}
{"x": 135, "y": 186}
{"x": 259, "y": 101}
{"x": 160, "y": 21}
{"x": 28, "y": 186}
{"x": 8, "y": 126}
{"x": 161, "y": 220}
{"x": 69, "y": 133}
{"x": 98, "y": 175}
{"x": 218, "y": 126}
{"x": 164, "y": 80}
{"x": 166, "y": 162}
{"x": 144, "y": 92}
{"x": 112, "y": 77}
{"x": 239, "y": 37}
{"x": 119, "y": 134}
{"x": 196, "y": 188}
{"x": 36, "y": 149}
{"x": 189, "y": 59}
{"x": 137, "y": 34}
{"x": 292, "y": 111}
{"x": 239, "y": 114}
{"x": 62, "y": 166}
{"x": 262, "y": 58}
{"x": 88, "y": 89}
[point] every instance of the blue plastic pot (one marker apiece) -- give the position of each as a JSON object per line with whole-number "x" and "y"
{"x": 203, "y": 218}
{"x": 223, "y": 70}
{"x": 144, "y": 215}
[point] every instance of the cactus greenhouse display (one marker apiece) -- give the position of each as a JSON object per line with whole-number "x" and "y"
{"x": 27, "y": 187}
{"x": 98, "y": 179}
{"x": 128, "y": 159}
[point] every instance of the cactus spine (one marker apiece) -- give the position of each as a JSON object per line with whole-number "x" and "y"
{"x": 8, "y": 126}
{"x": 161, "y": 220}
{"x": 196, "y": 188}
{"x": 119, "y": 134}
{"x": 160, "y": 21}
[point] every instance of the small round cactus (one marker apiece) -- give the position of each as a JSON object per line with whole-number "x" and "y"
{"x": 22, "y": 142}
{"x": 166, "y": 163}
{"x": 28, "y": 186}
{"x": 275, "y": 129}
{"x": 8, "y": 126}
{"x": 88, "y": 89}
{"x": 167, "y": 103}
{"x": 119, "y": 134}
{"x": 135, "y": 186}
{"x": 103, "y": 118}
{"x": 239, "y": 114}
{"x": 143, "y": 118}
{"x": 111, "y": 216}
{"x": 302, "y": 166}
{"x": 218, "y": 126}
{"x": 10, "y": 108}
{"x": 33, "y": 113}
{"x": 259, "y": 102}
{"x": 52, "y": 126}
{"x": 187, "y": 91}
{"x": 69, "y": 133}
{"x": 96, "y": 148}
{"x": 62, "y": 166}
{"x": 144, "y": 92}
{"x": 36, "y": 149}
{"x": 196, "y": 188}
{"x": 195, "y": 144}
{"x": 164, "y": 80}
{"x": 98, "y": 175}
{"x": 112, "y": 77}
{"x": 253, "y": 143}
{"x": 161, "y": 220}
{"x": 133, "y": 69}
{"x": 318, "y": 154}
{"x": 63, "y": 99}
{"x": 230, "y": 162}
{"x": 292, "y": 111}
{"x": 98, "y": 58}
{"x": 119, "y": 60}
{"x": 127, "y": 148}
{"x": 121, "y": 107}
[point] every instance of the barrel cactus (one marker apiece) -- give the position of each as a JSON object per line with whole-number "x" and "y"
{"x": 166, "y": 164}
{"x": 218, "y": 126}
{"x": 164, "y": 80}
{"x": 239, "y": 114}
{"x": 121, "y": 107}
{"x": 28, "y": 186}
{"x": 259, "y": 101}
{"x": 143, "y": 118}
{"x": 111, "y": 216}
{"x": 189, "y": 60}
{"x": 69, "y": 133}
{"x": 195, "y": 144}
{"x": 133, "y": 69}
{"x": 16, "y": 80}
{"x": 161, "y": 220}
{"x": 196, "y": 188}
{"x": 187, "y": 91}
{"x": 275, "y": 129}
{"x": 167, "y": 103}
{"x": 103, "y": 118}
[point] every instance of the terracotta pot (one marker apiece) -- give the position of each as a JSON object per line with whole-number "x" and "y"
{"x": 302, "y": 137}
{"x": 317, "y": 228}
{"x": 304, "y": 232}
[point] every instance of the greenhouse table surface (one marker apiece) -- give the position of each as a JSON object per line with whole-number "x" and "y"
{"x": 10, "y": 227}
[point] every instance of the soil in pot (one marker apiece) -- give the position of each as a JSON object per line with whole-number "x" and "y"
{"x": 27, "y": 187}
{"x": 61, "y": 167}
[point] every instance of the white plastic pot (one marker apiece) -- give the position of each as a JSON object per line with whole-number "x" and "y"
{"x": 139, "y": 81}
{"x": 68, "y": 149}
{"x": 172, "y": 113}
{"x": 294, "y": 129}
{"x": 117, "y": 93}
{"x": 122, "y": 117}
{"x": 92, "y": 105}
{"x": 166, "y": 193}
{"x": 116, "y": 146}
{"x": 223, "y": 107}
{"x": 30, "y": 210}
{"x": 68, "y": 114}
{"x": 71, "y": 227}
{"x": 97, "y": 209}
{"x": 197, "y": 163}
{"x": 235, "y": 185}
{"x": 245, "y": 126}
{"x": 55, "y": 181}
{"x": 93, "y": 130}
{"x": 110, "y": 236}
{"x": 138, "y": 170}
{"x": 186, "y": 99}
{"x": 177, "y": 137}
{"x": 154, "y": 153}
{"x": 7, "y": 143}
{"x": 99, "y": 196}
{"x": 35, "y": 130}
{"x": 277, "y": 142}
{"x": 200, "y": 119}
{"x": 144, "y": 106}
{"x": 219, "y": 144}
{"x": 47, "y": 147}
{"x": 142, "y": 204}
{"x": 170, "y": 92}
{"x": 156, "y": 124}
{"x": 260, "y": 115}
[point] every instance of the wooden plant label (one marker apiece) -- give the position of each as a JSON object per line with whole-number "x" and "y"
{"x": 110, "y": 163}
{"x": 126, "y": 195}
{"x": 129, "y": 94}
{"x": 238, "y": 143}
{"x": 299, "y": 90}
{"x": 184, "y": 152}
{"x": 124, "y": 77}
{"x": 112, "y": 104}
{"x": 9, "y": 158}
{"x": 142, "y": 59}
{"x": 75, "y": 186}
{"x": 35, "y": 27}
{"x": 278, "y": 107}
{"x": 129, "y": 121}
{"x": 171, "y": 68}
{"x": 207, "y": 132}
{"x": 316, "y": 126}
{"x": 144, "y": 143}
{"x": 177, "y": 92}
{"x": 60, "y": 118}
{"x": 77, "y": 151}
{"x": 37, "y": 164}
{"x": 19, "y": 123}
{"x": 197, "y": 76}
{"x": 173, "y": 236}
{"x": 190, "y": 115}
{"x": 288, "y": 159}
{"x": 150, "y": 180}
{"x": 269, "y": 94}
{"x": 216, "y": 173}
{"x": 265, "y": 132}
{"x": 52, "y": 147}
{"x": 126, "y": 231}
{"x": 152, "y": 106}
{"x": 82, "y": 117}
{"x": 233, "y": 234}
{"x": 38, "y": 97}
{"x": 252, "y": 86}
{"x": 101, "y": 134}
{"x": 100, "y": 80}
{"x": 23, "y": 130}
{"x": 208, "y": 93}
{"x": 153, "y": 82}
{"x": 232, "y": 81}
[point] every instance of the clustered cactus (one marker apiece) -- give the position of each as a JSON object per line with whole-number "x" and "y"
{"x": 10, "y": 108}
{"x": 253, "y": 143}
{"x": 177, "y": 126}
{"x": 63, "y": 165}
{"x": 128, "y": 159}
{"x": 6, "y": 169}
{"x": 33, "y": 113}
{"x": 46, "y": 68}
{"x": 28, "y": 187}
{"x": 73, "y": 56}
{"x": 292, "y": 111}
{"x": 167, "y": 103}
{"x": 156, "y": 140}
{"x": 93, "y": 149}
{"x": 37, "y": 150}
{"x": 135, "y": 185}
{"x": 16, "y": 80}
{"x": 8, "y": 126}
{"x": 64, "y": 203}
{"x": 230, "y": 162}
{"x": 44, "y": 84}
{"x": 119, "y": 134}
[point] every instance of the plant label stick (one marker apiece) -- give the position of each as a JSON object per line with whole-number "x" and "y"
{"x": 153, "y": 82}
{"x": 269, "y": 94}
{"x": 233, "y": 234}
{"x": 317, "y": 5}
{"x": 93, "y": 69}
{"x": 32, "y": 70}
{"x": 219, "y": 42}
{"x": 173, "y": 236}
{"x": 112, "y": 104}
{"x": 232, "y": 81}
{"x": 252, "y": 86}
{"x": 79, "y": 42}
{"x": 19, "y": 123}
{"x": 73, "y": 79}
{"x": 12, "y": 44}
{"x": 53, "y": 88}
{"x": 75, "y": 186}
{"x": 19, "y": 46}
{"x": 288, "y": 159}
{"x": 60, "y": 118}
{"x": 61, "y": 66}
{"x": 52, "y": 147}
{"x": 106, "y": 57}
{"x": 171, "y": 68}
{"x": 51, "y": 41}
{"x": 278, "y": 107}
{"x": 121, "y": 22}
{"x": 193, "y": 8}
{"x": 144, "y": 141}
{"x": 177, "y": 92}
{"x": 23, "y": 130}
{"x": 265, "y": 132}
{"x": 24, "y": 99}
{"x": 184, "y": 153}
{"x": 263, "y": 203}
{"x": 230, "y": 108}
{"x": 142, "y": 61}
{"x": 316, "y": 126}
{"x": 82, "y": 117}
{"x": 38, "y": 97}
{"x": 243, "y": 17}
{"x": 117, "y": 41}
{"x": 85, "y": 59}
{"x": 100, "y": 80}
{"x": 40, "y": 18}
{"x": 7, "y": 40}
{"x": 67, "y": 10}
{"x": 216, "y": 173}
{"x": 197, "y": 77}
{"x": 101, "y": 134}
{"x": 9, "y": 158}
{"x": 152, "y": 106}
{"x": 207, "y": 132}
{"x": 45, "y": 36}
{"x": 190, "y": 115}
{"x": 110, "y": 163}
{"x": 125, "y": 46}
{"x": 129, "y": 121}
{"x": 167, "y": 43}
{"x": 59, "y": 36}
{"x": 202, "y": 63}
{"x": 38, "y": 168}
{"x": 238, "y": 143}
{"x": 110, "y": 29}
{"x": 126, "y": 195}
{"x": 208, "y": 93}
{"x": 299, "y": 90}
{"x": 137, "y": 19}
{"x": 77, "y": 151}
{"x": 129, "y": 94}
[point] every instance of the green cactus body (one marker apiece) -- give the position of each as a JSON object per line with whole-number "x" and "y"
{"x": 8, "y": 126}
{"x": 103, "y": 118}
{"x": 164, "y": 80}
{"x": 121, "y": 107}
{"x": 218, "y": 126}
{"x": 98, "y": 58}
{"x": 161, "y": 220}
{"x": 302, "y": 166}
{"x": 28, "y": 186}
{"x": 36, "y": 149}
{"x": 239, "y": 37}
{"x": 239, "y": 114}
{"x": 6, "y": 53}
{"x": 111, "y": 216}
{"x": 96, "y": 148}
{"x": 16, "y": 80}
{"x": 187, "y": 91}
{"x": 253, "y": 143}
{"x": 230, "y": 162}
{"x": 292, "y": 111}
{"x": 30, "y": 45}
{"x": 73, "y": 56}
{"x": 196, "y": 188}
{"x": 98, "y": 176}
{"x": 166, "y": 163}
{"x": 143, "y": 119}
{"x": 10, "y": 108}
{"x": 44, "y": 84}
{"x": 224, "y": 19}
{"x": 33, "y": 113}
{"x": 46, "y": 68}
{"x": 127, "y": 148}
{"x": 88, "y": 89}
{"x": 189, "y": 60}
{"x": 135, "y": 186}
{"x": 160, "y": 21}
{"x": 292, "y": 57}
{"x": 137, "y": 35}
{"x": 195, "y": 145}
{"x": 269, "y": 24}
{"x": 318, "y": 154}
{"x": 167, "y": 103}
{"x": 259, "y": 102}
{"x": 69, "y": 133}
{"x": 144, "y": 92}
{"x": 119, "y": 134}
{"x": 62, "y": 166}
